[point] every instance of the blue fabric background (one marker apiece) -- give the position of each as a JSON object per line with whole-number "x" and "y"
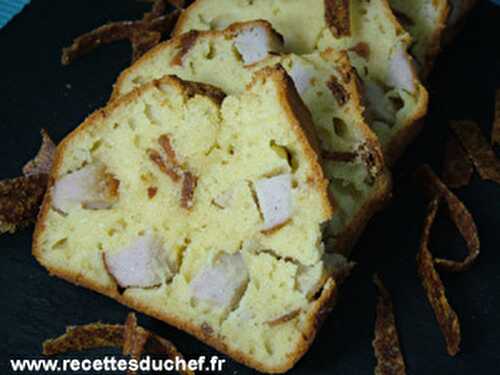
{"x": 9, "y": 8}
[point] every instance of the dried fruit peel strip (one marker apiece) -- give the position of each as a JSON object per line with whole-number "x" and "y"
{"x": 116, "y": 31}
{"x": 133, "y": 339}
{"x": 480, "y": 152}
{"x": 460, "y": 216}
{"x": 42, "y": 162}
{"x": 86, "y": 337}
{"x": 495, "y": 133}
{"x": 143, "y": 42}
{"x": 434, "y": 288}
{"x": 21, "y": 197}
{"x": 20, "y": 200}
{"x": 386, "y": 342}
{"x": 458, "y": 169}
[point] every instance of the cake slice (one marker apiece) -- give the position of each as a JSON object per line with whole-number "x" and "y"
{"x": 367, "y": 30}
{"x": 326, "y": 82}
{"x": 179, "y": 202}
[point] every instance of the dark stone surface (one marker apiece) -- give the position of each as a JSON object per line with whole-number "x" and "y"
{"x": 36, "y": 91}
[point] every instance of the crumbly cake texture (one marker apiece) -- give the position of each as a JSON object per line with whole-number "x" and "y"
{"x": 376, "y": 43}
{"x": 426, "y": 21}
{"x": 169, "y": 201}
{"x": 353, "y": 161}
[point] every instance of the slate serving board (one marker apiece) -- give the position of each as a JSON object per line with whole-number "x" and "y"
{"x": 36, "y": 91}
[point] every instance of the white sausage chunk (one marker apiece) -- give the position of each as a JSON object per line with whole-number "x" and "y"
{"x": 143, "y": 263}
{"x": 275, "y": 199}
{"x": 86, "y": 187}
{"x": 222, "y": 282}
{"x": 301, "y": 77}
{"x": 255, "y": 43}
{"x": 401, "y": 71}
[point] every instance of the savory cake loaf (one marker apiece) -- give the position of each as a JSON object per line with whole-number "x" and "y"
{"x": 201, "y": 210}
{"x": 326, "y": 82}
{"x": 367, "y": 30}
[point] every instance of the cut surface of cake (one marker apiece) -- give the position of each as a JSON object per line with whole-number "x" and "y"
{"x": 202, "y": 210}
{"x": 368, "y": 30}
{"x": 353, "y": 160}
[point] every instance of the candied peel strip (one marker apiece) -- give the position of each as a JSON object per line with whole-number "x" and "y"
{"x": 460, "y": 216}
{"x": 434, "y": 288}
{"x": 338, "y": 91}
{"x": 386, "y": 342}
{"x": 20, "y": 200}
{"x": 157, "y": 159}
{"x": 85, "y": 337}
{"x": 21, "y": 197}
{"x": 133, "y": 339}
{"x": 458, "y": 169}
{"x": 338, "y": 17}
{"x": 114, "y": 32}
{"x": 189, "y": 183}
{"x": 495, "y": 133}
{"x": 143, "y": 42}
{"x": 42, "y": 162}
{"x": 159, "y": 8}
{"x": 284, "y": 318}
{"x": 478, "y": 149}
{"x": 179, "y": 4}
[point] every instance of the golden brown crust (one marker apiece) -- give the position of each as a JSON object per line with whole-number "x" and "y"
{"x": 181, "y": 20}
{"x": 406, "y": 135}
{"x": 300, "y": 119}
{"x": 381, "y": 196}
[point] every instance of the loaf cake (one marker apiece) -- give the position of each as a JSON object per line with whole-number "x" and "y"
{"x": 367, "y": 30}
{"x": 202, "y": 210}
{"x": 325, "y": 80}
